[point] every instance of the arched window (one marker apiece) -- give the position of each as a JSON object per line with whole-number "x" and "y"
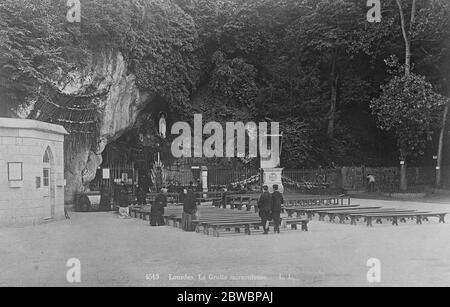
{"x": 46, "y": 156}
{"x": 46, "y": 170}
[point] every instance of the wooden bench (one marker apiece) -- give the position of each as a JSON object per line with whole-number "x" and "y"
{"x": 294, "y": 222}
{"x": 223, "y": 215}
{"x": 141, "y": 211}
{"x": 310, "y": 210}
{"x": 240, "y": 200}
{"x": 324, "y": 201}
{"x": 353, "y": 216}
{"x": 211, "y": 220}
{"x": 144, "y": 212}
{"x": 247, "y": 226}
{"x": 134, "y": 210}
{"x": 333, "y": 213}
{"x": 402, "y": 216}
{"x": 203, "y": 225}
{"x": 237, "y": 225}
{"x": 173, "y": 215}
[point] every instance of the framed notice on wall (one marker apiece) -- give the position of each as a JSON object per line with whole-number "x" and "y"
{"x": 106, "y": 173}
{"x": 15, "y": 171}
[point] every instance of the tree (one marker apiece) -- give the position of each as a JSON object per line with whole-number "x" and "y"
{"x": 335, "y": 32}
{"x": 418, "y": 25}
{"x": 409, "y": 106}
{"x": 407, "y": 32}
{"x": 314, "y": 65}
{"x": 406, "y": 38}
{"x": 432, "y": 58}
{"x": 33, "y": 44}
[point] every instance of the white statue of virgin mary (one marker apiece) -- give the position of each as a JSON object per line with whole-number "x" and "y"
{"x": 162, "y": 124}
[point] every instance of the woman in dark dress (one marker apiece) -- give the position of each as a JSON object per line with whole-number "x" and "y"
{"x": 157, "y": 210}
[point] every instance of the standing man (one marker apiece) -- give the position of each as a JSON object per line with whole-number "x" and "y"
{"x": 264, "y": 206}
{"x": 157, "y": 210}
{"x": 224, "y": 197}
{"x": 277, "y": 202}
{"x": 105, "y": 199}
{"x": 189, "y": 208}
{"x": 141, "y": 195}
{"x": 199, "y": 186}
{"x": 371, "y": 179}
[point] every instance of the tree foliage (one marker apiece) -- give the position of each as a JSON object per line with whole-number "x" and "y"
{"x": 409, "y": 106}
{"x": 156, "y": 37}
{"x": 313, "y": 65}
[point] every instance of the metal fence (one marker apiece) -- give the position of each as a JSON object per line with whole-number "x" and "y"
{"x": 302, "y": 180}
{"x": 117, "y": 173}
{"x": 224, "y": 177}
{"x": 387, "y": 178}
{"x": 312, "y": 179}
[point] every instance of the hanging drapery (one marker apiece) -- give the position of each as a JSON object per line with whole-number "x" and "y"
{"x": 78, "y": 114}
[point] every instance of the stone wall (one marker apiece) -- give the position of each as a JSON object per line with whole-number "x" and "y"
{"x": 27, "y": 202}
{"x": 120, "y": 107}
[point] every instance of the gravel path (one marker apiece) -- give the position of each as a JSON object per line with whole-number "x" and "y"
{"x": 116, "y": 252}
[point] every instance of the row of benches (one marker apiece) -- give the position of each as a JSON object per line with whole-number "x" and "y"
{"x": 216, "y": 220}
{"x": 354, "y": 213}
{"x": 212, "y": 219}
{"x": 250, "y": 201}
{"x": 219, "y": 221}
{"x": 174, "y": 198}
{"x": 141, "y": 211}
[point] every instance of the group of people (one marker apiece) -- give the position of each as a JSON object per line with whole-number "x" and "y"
{"x": 269, "y": 206}
{"x": 187, "y": 198}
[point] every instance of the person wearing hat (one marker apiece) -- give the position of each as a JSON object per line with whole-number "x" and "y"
{"x": 277, "y": 202}
{"x": 225, "y": 193}
{"x": 265, "y": 206}
{"x": 157, "y": 210}
{"x": 141, "y": 195}
{"x": 189, "y": 208}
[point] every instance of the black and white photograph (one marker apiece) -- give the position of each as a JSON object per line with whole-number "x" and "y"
{"x": 245, "y": 144}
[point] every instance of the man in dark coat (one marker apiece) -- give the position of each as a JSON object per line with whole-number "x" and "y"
{"x": 105, "y": 199}
{"x": 141, "y": 195}
{"x": 199, "y": 186}
{"x": 157, "y": 210}
{"x": 189, "y": 208}
{"x": 264, "y": 206}
{"x": 224, "y": 197}
{"x": 277, "y": 202}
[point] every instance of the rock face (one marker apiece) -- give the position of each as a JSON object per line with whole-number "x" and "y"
{"x": 106, "y": 71}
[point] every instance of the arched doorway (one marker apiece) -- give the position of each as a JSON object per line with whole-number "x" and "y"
{"x": 48, "y": 183}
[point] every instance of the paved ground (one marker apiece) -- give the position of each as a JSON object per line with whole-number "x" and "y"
{"x": 115, "y": 252}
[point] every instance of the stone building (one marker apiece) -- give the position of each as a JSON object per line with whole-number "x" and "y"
{"x": 31, "y": 172}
